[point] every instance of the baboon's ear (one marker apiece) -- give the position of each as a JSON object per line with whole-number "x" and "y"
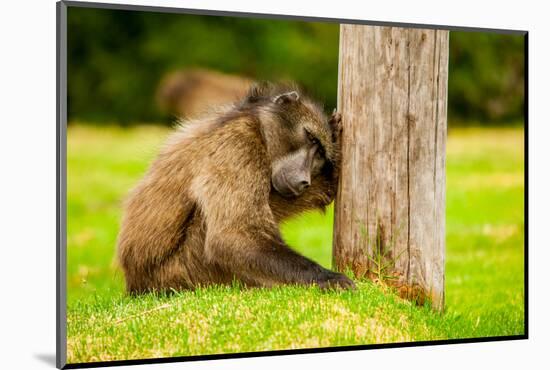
{"x": 286, "y": 97}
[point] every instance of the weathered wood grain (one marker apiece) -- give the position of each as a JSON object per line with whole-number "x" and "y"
{"x": 392, "y": 94}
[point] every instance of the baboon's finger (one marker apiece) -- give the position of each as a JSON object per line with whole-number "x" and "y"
{"x": 337, "y": 281}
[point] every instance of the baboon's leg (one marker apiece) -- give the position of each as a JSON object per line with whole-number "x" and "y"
{"x": 152, "y": 230}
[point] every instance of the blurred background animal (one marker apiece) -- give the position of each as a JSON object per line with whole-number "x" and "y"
{"x": 189, "y": 92}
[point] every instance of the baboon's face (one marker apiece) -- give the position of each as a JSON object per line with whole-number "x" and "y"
{"x": 303, "y": 149}
{"x": 293, "y": 173}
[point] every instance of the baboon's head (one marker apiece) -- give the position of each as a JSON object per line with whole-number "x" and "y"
{"x": 298, "y": 137}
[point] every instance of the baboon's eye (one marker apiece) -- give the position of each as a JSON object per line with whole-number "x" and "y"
{"x": 312, "y": 138}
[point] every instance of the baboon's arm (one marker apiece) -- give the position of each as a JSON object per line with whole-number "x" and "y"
{"x": 320, "y": 194}
{"x": 242, "y": 235}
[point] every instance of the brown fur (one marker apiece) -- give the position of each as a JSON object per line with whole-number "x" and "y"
{"x": 188, "y": 93}
{"x": 206, "y": 211}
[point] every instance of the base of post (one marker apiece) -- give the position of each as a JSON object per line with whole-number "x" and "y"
{"x": 413, "y": 292}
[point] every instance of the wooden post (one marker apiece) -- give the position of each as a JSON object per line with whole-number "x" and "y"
{"x": 390, "y": 207}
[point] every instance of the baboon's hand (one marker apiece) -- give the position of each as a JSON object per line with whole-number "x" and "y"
{"x": 335, "y": 280}
{"x": 336, "y": 124}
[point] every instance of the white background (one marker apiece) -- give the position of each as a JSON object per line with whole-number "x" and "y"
{"x": 27, "y": 182}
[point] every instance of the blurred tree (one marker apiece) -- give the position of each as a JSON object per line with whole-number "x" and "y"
{"x": 116, "y": 60}
{"x": 486, "y": 77}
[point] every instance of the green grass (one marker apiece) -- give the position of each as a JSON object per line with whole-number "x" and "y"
{"x": 484, "y": 264}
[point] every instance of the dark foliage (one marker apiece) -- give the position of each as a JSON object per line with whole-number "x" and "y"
{"x": 117, "y": 58}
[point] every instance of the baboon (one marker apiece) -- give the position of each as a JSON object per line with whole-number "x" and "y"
{"x": 208, "y": 209}
{"x": 189, "y": 92}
